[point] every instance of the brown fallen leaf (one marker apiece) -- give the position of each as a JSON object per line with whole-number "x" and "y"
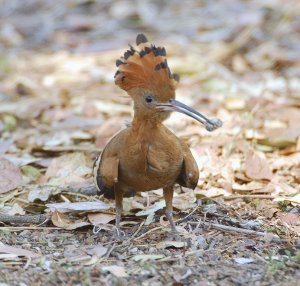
{"x": 68, "y": 169}
{"x": 61, "y": 220}
{"x": 100, "y": 218}
{"x": 290, "y": 218}
{"x": 15, "y": 251}
{"x": 257, "y": 167}
{"x": 10, "y": 176}
{"x": 212, "y": 192}
{"x": 253, "y": 185}
{"x": 97, "y": 250}
{"x": 184, "y": 201}
{"x": 74, "y": 252}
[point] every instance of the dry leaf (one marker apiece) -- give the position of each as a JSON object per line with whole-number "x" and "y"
{"x": 167, "y": 243}
{"x": 78, "y": 207}
{"x": 42, "y": 193}
{"x": 184, "y": 201}
{"x": 100, "y": 218}
{"x": 69, "y": 169}
{"x": 10, "y": 176}
{"x": 146, "y": 257}
{"x": 248, "y": 187}
{"x": 97, "y": 250}
{"x": 295, "y": 199}
{"x": 17, "y": 251}
{"x": 290, "y": 218}
{"x": 212, "y": 193}
{"x": 150, "y": 211}
{"x": 257, "y": 167}
{"x": 243, "y": 260}
{"x": 130, "y": 204}
{"x": 118, "y": 271}
{"x": 16, "y": 209}
{"x": 61, "y": 220}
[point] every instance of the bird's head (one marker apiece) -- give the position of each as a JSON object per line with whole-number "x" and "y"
{"x": 143, "y": 72}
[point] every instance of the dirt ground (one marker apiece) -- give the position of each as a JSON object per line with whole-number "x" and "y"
{"x": 238, "y": 61}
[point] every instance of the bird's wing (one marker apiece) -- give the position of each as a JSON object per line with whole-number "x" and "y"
{"x": 106, "y": 171}
{"x": 106, "y": 166}
{"x": 189, "y": 174}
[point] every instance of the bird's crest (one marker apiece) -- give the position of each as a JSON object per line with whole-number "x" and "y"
{"x": 145, "y": 67}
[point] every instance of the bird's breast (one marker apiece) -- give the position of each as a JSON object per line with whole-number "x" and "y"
{"x": 153, "y": 164}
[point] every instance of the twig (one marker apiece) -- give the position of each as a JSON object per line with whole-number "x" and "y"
{"x": 18, "y": 228}
{"x": 151, "y": 230}
{"x": 137, "y": 231}
{"x": 25, "y": 219}
{"x": 248, "y": 197}
{"x": 188, "y": 215}
{"x": 108, "y": 253}
{"x": 235, "y": 229}
{"x": 56, "y": 149}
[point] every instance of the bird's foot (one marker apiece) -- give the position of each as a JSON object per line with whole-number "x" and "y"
{"x": 118, "y": 234}
{"x": 174, "y": 235}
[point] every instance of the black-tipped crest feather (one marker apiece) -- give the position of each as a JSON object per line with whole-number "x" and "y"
{"x": 145, "y": 66}
{"x": 141, "y": 38}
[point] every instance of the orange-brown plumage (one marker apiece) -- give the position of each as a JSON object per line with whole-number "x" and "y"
{"x": 146, "y": 155}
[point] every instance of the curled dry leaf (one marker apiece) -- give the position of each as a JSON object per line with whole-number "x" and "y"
{"x": 10, "y": 176}
{"x": 257, "y": 167}
{"x": 100, "y": 218}
{"x": 212, "y": 193}
{"x": 252, "y": 186}
{"x": 61, "y": 220}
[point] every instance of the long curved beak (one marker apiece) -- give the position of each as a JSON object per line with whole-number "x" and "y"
{"x": 174, "y": 105}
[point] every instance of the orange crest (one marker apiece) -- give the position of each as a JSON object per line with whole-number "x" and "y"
{"x": 146, "y": 67}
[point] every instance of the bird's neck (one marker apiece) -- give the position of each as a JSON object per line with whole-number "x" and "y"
{"x": 144, "y": 123}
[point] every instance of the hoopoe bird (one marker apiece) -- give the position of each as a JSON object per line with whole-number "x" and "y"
{"x": 146, "y": 155}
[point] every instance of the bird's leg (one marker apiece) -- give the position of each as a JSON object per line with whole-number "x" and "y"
{"x": 168, "y": 195}
{"x": 118, "y": 234}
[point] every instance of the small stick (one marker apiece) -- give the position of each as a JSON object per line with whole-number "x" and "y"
{"x": 18, "y": 228}
{"x": 56, "y": 149}
{"x": 188, "y": 215}
{"x": 235, "y": 229}
{"x": 151, "y": 230}
{"x": 137, "y": 231}
{"x": 24, "y": 219}
{"x": 248, "y": 197}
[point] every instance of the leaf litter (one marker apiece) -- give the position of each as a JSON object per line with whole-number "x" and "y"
{"x": 59, "y": 107}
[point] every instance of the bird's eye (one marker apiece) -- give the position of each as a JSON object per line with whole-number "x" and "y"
{"x": 148, "y": 98}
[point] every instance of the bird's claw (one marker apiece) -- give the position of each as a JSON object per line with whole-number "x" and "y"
{"x": 119, "y": 234}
